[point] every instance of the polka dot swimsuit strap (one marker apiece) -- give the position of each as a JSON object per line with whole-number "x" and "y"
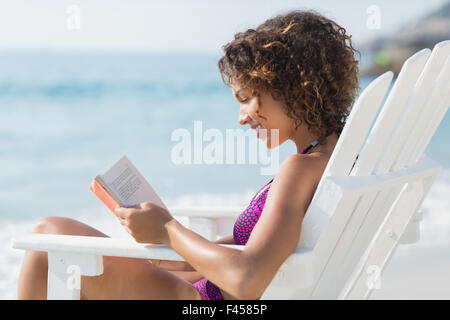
{"x": 313, "y": 144}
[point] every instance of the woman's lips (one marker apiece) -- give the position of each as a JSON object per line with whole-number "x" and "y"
{"x": 258, "y": 127}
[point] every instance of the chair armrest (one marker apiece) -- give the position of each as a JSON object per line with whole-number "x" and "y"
{"x": 85, "y": 253}
{"x": 121, "y": 247}
{"x": 99, "y": 246}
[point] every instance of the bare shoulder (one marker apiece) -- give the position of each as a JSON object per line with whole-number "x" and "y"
{"x": 302, "y": 167}
{"x": 300, "y": 175}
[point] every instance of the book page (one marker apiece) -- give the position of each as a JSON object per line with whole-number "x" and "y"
{"x": 129, "y": 184}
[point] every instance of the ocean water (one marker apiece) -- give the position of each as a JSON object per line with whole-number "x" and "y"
{"x": 66, "y": 117}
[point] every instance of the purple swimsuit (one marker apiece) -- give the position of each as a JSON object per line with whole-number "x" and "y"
{"x": 241, "y": 233}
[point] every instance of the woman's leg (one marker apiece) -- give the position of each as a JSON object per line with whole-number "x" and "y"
{"x": 122, "y": 278}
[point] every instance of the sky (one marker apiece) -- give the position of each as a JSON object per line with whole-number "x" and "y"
{"x": 175, "y": 25}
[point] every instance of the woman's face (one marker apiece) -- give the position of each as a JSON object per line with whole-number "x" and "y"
{"x": 270, "y": 116}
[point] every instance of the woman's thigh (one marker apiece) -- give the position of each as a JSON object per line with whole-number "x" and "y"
{"x": 122, "y": 278}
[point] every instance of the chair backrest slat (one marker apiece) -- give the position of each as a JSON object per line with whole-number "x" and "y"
{"x": 344, "y": 230}
{"x": 402, "y": 135}
{"x": 373, "y": 207}
{"x": 439, "y": 99}
{"x": 346, "y": 149}
{"x": 426, "y": 87}
{"x": 385, "y": 125}
{"x": 357, "y": 126}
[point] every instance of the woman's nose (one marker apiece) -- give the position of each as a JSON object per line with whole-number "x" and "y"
{"x": 243, "y": 118}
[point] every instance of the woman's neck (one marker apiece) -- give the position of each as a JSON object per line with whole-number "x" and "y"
{"x": 303, "y": 139}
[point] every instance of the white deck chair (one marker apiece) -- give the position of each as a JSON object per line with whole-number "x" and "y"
{"x": 366, "y": 203}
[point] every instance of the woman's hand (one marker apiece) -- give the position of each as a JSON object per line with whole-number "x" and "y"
{"x": 145, "y": 222}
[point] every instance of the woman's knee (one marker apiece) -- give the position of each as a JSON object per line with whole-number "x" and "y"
{"x": 63, "y": 225}
{"x": 48, "y": 225}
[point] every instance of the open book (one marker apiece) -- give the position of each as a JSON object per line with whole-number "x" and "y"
{"x": 123, "y": 185}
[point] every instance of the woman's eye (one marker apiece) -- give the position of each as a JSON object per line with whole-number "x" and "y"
{"x": 244, "y": 100}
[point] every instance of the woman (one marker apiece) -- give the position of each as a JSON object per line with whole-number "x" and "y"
{"x": 295, "y": 74}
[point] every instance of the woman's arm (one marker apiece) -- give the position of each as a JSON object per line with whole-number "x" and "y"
{"x": 241, "y": 274}
{"x": 245, "y": 274}
{"x": 223, "y": 266}
{"x": 183, "y": 269}
{"x": 225, "y": 240}
{"x": 184, "y": 266}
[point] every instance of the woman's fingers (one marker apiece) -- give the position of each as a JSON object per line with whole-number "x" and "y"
{"x": 124, "y": 213}
{"x": 119, "y": 212}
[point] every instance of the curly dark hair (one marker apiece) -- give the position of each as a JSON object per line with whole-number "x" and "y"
{"x": 303, "y": 59}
